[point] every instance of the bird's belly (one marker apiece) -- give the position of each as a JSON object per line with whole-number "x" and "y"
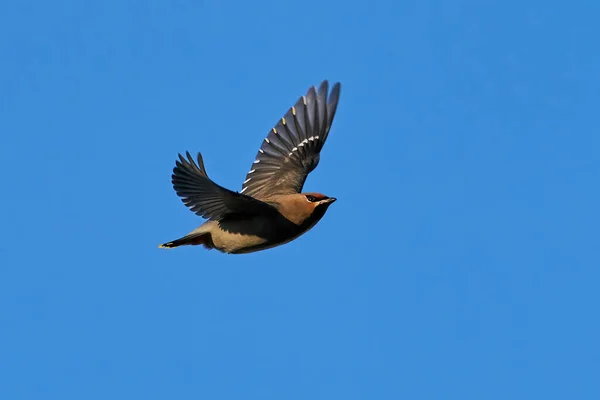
{"x": 262, "y": 245}
{"x": 251, "y": 235}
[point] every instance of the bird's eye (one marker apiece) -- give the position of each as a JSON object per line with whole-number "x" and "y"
{"x": 311, "y": 198}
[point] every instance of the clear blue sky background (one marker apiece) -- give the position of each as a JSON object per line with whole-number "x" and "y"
{"x": 460, "y": 261}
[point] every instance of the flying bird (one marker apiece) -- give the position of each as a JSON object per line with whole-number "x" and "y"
{"x": 270, "y": 209}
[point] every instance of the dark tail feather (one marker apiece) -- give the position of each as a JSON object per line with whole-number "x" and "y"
{"x": 193, "y": 239}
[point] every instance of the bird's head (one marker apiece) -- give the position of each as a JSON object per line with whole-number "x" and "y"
{"x": 316, "y": 204}
{"x": 304, "y": 208}
{"x": 317, "y": 200}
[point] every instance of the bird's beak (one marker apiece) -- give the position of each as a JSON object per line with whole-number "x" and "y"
{"x": 329, "y": 200}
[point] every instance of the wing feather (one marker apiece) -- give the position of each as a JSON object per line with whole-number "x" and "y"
{"x": 292, "y": 148}
{"x": 207, "y": 199}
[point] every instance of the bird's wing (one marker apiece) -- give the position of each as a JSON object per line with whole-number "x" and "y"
{"x": 206, "y": 198}
{"x": 291, "y": 150}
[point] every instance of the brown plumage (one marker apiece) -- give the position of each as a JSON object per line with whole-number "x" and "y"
{"x": 270, "y": 210}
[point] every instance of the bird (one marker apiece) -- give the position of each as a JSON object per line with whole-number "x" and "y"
{"x": 270, "y": 210}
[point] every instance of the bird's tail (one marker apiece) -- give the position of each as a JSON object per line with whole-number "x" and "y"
{"x": 193, "y": 239}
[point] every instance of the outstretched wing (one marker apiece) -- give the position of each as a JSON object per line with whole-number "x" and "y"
{"x": 206, "y": 198}
{"x": 291, "y": 150}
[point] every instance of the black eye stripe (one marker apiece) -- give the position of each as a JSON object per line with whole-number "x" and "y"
{"x": 311, "y": 198}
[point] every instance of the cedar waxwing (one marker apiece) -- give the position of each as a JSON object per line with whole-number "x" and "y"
{"x": 270, "y": 210}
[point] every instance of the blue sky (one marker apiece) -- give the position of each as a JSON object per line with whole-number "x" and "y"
{"x": 460, "y": 261}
